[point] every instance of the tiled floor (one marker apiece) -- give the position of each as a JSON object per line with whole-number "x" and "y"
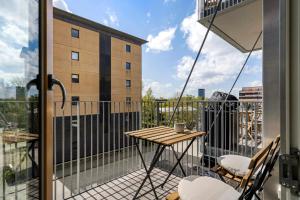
{"x": 125, "y": 187}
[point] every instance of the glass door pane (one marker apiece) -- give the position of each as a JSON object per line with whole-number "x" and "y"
{"x": 19, "y": 105}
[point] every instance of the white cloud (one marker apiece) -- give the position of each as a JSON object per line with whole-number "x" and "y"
{"x": 256, "y": 83}
{"x": 159, "y": 89}
{"x": 148, "y": 14}
{"x": 111, "y": 18}
{"x": 219, "y": 61}
{"x": 61, "y": 4}
{"x": 167, "y": 1}
{"x": 15, "y": 34}
{"x": 162, "y": 41}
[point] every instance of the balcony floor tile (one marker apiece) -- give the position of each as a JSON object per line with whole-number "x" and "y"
{"x": 125, "y": 187}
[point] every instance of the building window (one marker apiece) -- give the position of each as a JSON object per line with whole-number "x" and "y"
{"x": 128, "y": 83}
{"x": 75, "y": 100}
{"x": 75, "y": 78}
{"x": 128, "y": 100}
{"x": 75, "y": 33}
{"x": 128, "y": 65}
{"x": 128, "y": 48}
{"x": 75, "y": 55}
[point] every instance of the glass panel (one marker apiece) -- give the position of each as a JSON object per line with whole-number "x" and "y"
{"x": 128, "y": 48}
{"x": 75, "y": 78}
{"x": 75, "y": 55}
{"x": 75, "y": 33}
{"x": 128, "y": 65}
{"x": 19, "y": 127}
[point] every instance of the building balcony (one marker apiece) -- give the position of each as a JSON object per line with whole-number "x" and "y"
{"x": 94, "y": 159}
{"x": 239, "y": 22}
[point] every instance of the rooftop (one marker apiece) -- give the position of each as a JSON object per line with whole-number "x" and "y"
{"x": 87, "y": 23}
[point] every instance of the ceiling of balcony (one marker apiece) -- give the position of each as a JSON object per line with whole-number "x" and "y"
{"x": 239, "y": 25}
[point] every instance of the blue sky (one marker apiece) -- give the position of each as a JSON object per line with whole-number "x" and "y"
{"x": 174, "y": 37}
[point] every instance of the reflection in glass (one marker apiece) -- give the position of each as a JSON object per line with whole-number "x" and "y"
{"x": 19, "y": 130}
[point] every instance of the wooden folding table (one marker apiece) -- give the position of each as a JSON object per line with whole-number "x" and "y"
{"x": 164, "y": 137}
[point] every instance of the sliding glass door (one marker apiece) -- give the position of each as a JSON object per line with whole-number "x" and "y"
{"x": 20, "y": 111}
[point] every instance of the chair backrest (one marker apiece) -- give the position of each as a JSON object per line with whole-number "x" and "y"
{"x": 261, "y": 158}
{"x": 275, "y": 146}
{"x": 263, "y": 176}
{"x": 256, "y": 162}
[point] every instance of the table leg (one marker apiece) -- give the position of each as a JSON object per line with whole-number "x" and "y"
{"x": 144, "y": 164}
{"x": 176, "y": 156}
{"x": 155, "y": 159}
{"x": 178, "y": 161}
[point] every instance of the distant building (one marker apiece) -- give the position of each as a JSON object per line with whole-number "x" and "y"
{"x": 251, "y": 93}
{"x": 201, "y": 93}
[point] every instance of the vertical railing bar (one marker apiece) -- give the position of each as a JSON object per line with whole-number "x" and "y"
{"x": 124, "y": 138}
{"x": 247, "y": 120}
{"x": 71, "y": 148}
{"x": 127, "y": 139}
{"x": 109, "y": 136}
{"x": 187, "y": 153}
{"x": 209, "y": 135}
{"x": 132, "y": 139}
{"x": 119, "y": 137}
{"x": 98, "y": 127}
{"x": 114, "y": 138}
{"x": 54, "y": 153}
{"x": 193, "y": 142}
{"x": 78, "y": 147}
{"x": 237, "y": 127}
{"x": 152, "y": 123}
{"x": 92, "y": 144}
{"x": 197, "y": 147}
{"x": 103, "y": 139}
{"x": 230, "y": 126}
{"x": 216, "y": 135}
{"x": 182, "y": 120}
{"x": 255, "y": 129}
{"x": 221, "y": 129}
{"x": 85, "y": 144}
{"x": 63, "y": 153}
{"x": 137, "y": 128}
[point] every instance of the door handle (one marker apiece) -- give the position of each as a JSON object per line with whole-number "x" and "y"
{"x": 33, "y": 82}
{"x": 51, "y": 82}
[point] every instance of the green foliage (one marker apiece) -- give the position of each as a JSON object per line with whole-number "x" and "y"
{"x": 15, "y": 114}
{"x": 158, "y": 112}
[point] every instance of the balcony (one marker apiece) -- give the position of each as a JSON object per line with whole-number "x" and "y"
{"x": 239, "y": 22}
{"x": 93, "y": 158}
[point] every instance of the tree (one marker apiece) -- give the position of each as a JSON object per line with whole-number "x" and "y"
{"x": 148, "y": 114}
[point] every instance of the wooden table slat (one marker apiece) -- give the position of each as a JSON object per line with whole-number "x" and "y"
{"x": 184, "y": 138}
{"x": 164, "y": 135}
{"x": 146, "y": 130}
{"x": 148, "y": 136}
{"x": 160, "y": 136}
{"x": 151, "y": 132}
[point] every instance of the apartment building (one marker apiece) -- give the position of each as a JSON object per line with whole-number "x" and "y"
{"x": 95, "y": 62}
{"x": 251, "y": 93}
{"x": 101, "y": 70}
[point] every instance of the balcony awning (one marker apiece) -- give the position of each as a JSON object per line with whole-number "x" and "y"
{"x": 239, "y": 24}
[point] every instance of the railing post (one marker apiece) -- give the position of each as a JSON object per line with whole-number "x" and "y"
{"x": 139, "y": 110}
